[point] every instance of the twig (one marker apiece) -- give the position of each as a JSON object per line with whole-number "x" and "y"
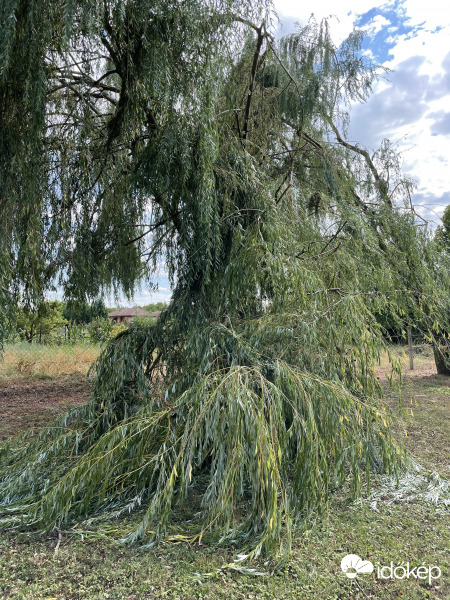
{"x": 58, "y": 543}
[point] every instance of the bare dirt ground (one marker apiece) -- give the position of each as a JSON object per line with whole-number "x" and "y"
{"x": 419, "y": 371}
{"x": 29, "y": 403}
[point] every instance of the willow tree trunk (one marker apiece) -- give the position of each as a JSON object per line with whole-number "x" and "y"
{"x": 441, "y": 349}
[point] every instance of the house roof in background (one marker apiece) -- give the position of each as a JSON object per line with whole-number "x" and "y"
{"x": 128, "y": 312}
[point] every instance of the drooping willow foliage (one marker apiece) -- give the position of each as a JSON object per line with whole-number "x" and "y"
{"x": 137, "y": 133}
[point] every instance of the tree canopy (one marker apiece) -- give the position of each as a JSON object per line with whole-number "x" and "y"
{"x": 82, "y": 312}
{"x": 443, "y": 231}
{"x": 135, "y": 133}
{"x": 33, "y": 324}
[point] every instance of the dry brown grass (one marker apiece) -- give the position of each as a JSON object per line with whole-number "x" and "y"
{"x": 35, "y": 361}
{"x": 423, "y": 359}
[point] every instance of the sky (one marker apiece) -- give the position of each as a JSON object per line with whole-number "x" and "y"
{"x": 410, "y": 106}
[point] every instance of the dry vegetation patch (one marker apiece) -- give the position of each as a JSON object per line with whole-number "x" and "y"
{"x": 40, "y": 361}
{"x": 38, "y": 381}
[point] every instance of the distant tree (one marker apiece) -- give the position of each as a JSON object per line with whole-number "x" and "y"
{"x": 77, "y": 312}
{"x": 83, "y": 312}
{"x": 98, "y": 310}
{"x": 36, "y": 323}
{"x": 440, "y": 336}
{"x": 102, "y": 330}
{"x": 443, "y": 232}
{"x": 155, "y": 307}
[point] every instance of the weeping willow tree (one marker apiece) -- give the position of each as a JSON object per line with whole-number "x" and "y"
{"x": 441, "y": 336}
{"x": 137, "y": 133}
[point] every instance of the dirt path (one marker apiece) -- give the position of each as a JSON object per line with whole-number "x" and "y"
{"x": 27, "y": 403}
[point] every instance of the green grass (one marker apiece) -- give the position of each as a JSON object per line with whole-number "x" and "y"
{"x": 425, "y": 404}
{"x": 94, "y": 569}
{"x": 414, "y": 531}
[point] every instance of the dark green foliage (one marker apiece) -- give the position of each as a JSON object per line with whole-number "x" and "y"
{"x": 182, "y": 133}
{"x": 443, "y": 231}
{"x": 82, "y": 312}
{"x": 439, "y": 331}
{"x": 102, "y": 330}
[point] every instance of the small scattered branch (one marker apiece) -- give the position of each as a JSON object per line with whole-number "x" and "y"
{"x": 152, "y": 228}
{"x": 58, "y": 544}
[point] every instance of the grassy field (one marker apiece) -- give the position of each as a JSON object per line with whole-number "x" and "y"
{"x": 397, "y": 525}
{"x": 34, "y": 361}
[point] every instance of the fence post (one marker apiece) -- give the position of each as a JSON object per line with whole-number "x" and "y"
{"x": 410, "y": 348}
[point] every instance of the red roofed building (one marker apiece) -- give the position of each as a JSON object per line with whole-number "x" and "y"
{"x": 127, "y": 314}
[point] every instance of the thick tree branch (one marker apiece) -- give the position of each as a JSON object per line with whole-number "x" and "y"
{"x": 259, "y": 42}
{"x": 380, "y": 183}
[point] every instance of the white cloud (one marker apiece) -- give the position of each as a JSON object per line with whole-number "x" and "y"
{"x": 141, "y": 298}
{"x": 430, "y": 14}
{"x": 346, "y": 11}
{"x": 433, "y": 46}
{"x": 414, "y": 105}
{"x": 152, "y": 298}
{"x": 376, "y": 25}
{"x": 324, "y": 8}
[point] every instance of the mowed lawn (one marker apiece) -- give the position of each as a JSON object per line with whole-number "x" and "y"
{"x": 393, "y": 525}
